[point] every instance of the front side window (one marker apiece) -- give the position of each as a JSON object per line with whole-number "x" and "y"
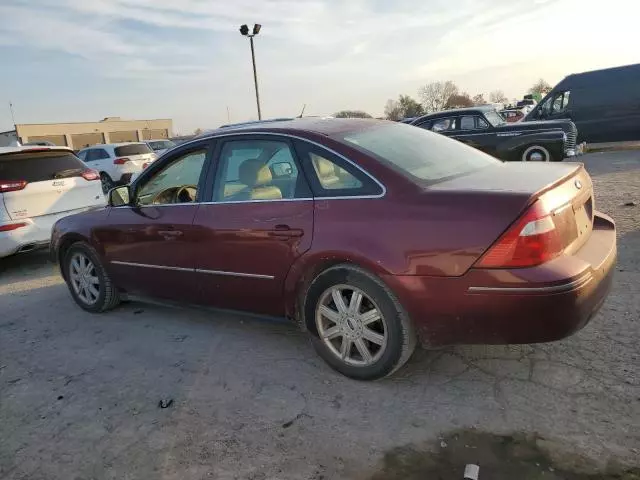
{"x": 494, "y": 118}
{"x": 481, "y": 123}
{"x": 250, "y": 170}
{"x": 560, "y": 102}
{"x": 417, "y": 153}
{"x": 175, "y": 183}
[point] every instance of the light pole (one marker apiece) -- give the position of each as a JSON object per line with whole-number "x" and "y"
{"x": 244, "y": 30}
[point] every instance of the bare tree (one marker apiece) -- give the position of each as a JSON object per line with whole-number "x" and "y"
{"x": 498, "y": 96}
{"x": 352, "y": 114}
{"x": 434, "y": 95}
{"x": 541, "y": 87}
{"x": 393, "y": 111}
{"x": 459, "y": 100}
{"x": 479, "y": 100}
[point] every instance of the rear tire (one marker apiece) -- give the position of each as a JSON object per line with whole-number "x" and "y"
{"x": 88, "y": 282}
{"x": 357, "y": 324}
{"x": 536, "y": 153}
{"x": 107, "y": 183}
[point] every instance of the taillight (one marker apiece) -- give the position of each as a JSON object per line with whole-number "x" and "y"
{"x": 89, "y": 174}
{"x": 532, "y": 240}
{"x": 11, "y": 185}
{"x": 121, "y": 161}
{"x": 12, "y": 226}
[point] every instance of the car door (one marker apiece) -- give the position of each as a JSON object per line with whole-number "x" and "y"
{"x": 476, "y": 132}
{"x": 149, "y": 244}
{"x": 257, "y": 222}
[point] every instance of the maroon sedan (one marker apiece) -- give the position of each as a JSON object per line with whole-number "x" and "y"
{"x": 370, "y": 235}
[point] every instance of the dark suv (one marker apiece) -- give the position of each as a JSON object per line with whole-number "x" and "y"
{"x": 485, "y": 129}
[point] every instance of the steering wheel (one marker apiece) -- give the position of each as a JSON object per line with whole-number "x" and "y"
{"x": 186, "y": 194}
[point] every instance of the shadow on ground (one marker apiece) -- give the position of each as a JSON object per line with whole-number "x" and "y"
{"x": 500, "y": 457}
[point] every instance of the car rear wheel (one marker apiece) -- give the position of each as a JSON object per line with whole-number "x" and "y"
{"x": 361, "y": 330}
{"x": 107, "y": 183}
{"x": 536, "y": 153}
{"x": 88, "y": 282}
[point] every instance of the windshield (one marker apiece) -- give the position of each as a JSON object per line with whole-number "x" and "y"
{"x": 419, "y": 153}
{"x": 494, "y": 118}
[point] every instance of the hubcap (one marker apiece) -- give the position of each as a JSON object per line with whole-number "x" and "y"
{"x": 536, "y": 157}
{"x": 84, "y": 278}
{"x": 351, "y": 325}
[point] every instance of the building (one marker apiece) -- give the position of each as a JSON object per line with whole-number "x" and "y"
{"x": 80, "y": 135}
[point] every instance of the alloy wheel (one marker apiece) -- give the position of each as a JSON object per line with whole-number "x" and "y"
{"x": 84, "y": 278}
{"x": 351, "y": 325}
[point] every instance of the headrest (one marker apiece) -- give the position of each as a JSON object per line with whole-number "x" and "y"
{"x": 323, "y": 166}
{"x": 254, "y": 173}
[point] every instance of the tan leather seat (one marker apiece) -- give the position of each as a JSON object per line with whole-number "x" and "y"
{"x": 257, "y": 177}
{"x": 326, "y": 172}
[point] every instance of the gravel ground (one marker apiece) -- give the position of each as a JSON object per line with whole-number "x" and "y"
{"x": 79, "y": 394}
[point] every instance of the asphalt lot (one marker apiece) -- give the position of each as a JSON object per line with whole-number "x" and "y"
{"x": 79, "y": 393}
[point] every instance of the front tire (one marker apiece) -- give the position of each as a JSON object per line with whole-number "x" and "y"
{"x": 88, "y": 282}
{"x": 536, "y": 153}
{"x": 360, "y": 328}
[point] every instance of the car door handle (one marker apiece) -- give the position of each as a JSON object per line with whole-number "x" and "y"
{"x": 284, "y": 231}
{"x": 170, "y": 233}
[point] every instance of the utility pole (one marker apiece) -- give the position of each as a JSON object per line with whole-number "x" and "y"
{"x": 13, "y": 118}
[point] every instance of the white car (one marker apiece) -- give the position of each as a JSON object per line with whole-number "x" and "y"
{"x": 117, "y": 162}
{"x": 160, "y": 146}
{"x": 38, "y": 186}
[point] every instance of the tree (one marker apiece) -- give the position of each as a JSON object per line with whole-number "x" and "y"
{"x": 352, "y": 114}
{"x": 409, "y": 107}
{"x": 541, "y": 88}
{"x": 479, "y": 100}
{"x": 498, "y": 96}
{"x": 392, "y": 110}
{"x": 197, "y": 131}
{"x": 459, "y": 100}
{"x": 434, "y": 95}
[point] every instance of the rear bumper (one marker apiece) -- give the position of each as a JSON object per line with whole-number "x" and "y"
{"x": 532, "y": 305}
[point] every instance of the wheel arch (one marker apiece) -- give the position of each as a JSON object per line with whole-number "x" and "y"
{"x": 65, "y": 244}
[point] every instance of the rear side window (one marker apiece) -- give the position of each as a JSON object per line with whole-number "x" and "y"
{"x": 133, "y": 149}
{"x": 418, "y": 153}
{"x": 38, "y": 167}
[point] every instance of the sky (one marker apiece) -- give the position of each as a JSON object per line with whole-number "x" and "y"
{"x": 83, "y": 60}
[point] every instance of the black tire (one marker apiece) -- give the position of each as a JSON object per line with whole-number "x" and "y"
{"x": 400, "y": 332}
{"x": 107, "y": 182}
{"x": 108, "y": 296}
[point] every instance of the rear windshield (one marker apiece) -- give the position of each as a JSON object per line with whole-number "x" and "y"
{"x": 133, "y": 149}
{"x": 161, "y": 144}
{"x": 421, "y": 154}
{"x": 40, "y": 166}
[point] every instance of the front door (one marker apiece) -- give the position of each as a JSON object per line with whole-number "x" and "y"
{"x": 259, "y": 220}
{"x": 149, "y": 245}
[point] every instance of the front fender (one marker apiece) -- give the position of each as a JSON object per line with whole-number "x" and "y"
{"x": 513, "y": 145}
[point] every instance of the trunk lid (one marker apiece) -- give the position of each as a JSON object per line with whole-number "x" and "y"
{"x": 54, "y": 183}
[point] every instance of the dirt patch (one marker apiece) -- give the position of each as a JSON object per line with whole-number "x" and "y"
{"x": 500, "y": 457}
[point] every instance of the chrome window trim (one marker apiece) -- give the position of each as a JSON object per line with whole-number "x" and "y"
{"x": 580, "y": 282}
{"x": 194, "y": 270}
{"x": 303, "y": 139}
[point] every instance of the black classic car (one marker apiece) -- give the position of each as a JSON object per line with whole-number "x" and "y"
{"x": 485, "y": 129}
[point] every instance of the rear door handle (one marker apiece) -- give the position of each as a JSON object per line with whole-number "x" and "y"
{"x": 284, "y": 231}
{"x": 169, "y": 233}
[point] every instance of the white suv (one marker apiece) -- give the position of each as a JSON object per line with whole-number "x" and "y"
{"x": 39, "y": 185}
{"x": 117, "y": 162}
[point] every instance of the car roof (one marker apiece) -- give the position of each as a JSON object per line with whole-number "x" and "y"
{"x": 112, "y": 145}
{"x": 327, "y": 126}
{"x": 459, "y": 111}
{"x": 32, "y": 148}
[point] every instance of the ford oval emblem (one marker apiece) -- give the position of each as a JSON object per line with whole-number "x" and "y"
{"x": 578, "y": 184}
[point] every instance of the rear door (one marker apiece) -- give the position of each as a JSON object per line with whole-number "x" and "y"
{"x": 257, "y": 222}
{"x": 476, "y": 132}
{"x": 53, "y": 183}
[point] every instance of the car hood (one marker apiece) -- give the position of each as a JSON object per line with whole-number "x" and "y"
{"x": 538, "y": 125}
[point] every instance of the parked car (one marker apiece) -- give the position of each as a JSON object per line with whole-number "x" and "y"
{"x": 371, "y": 235}
{"x": 39, "y": 143}
{"x": 37, "y": 187}
{"x": 160, "y": 146}
{"x": 484, "y": 129}
{"x": 117, "y": 162}
{"x": 604, "y": 104}
{"x": 512, "y": 115}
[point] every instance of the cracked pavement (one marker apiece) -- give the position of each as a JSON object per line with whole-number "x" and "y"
{"x": 79, "y": 393}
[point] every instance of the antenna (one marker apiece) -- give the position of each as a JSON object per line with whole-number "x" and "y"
{"x": 228, "y": 115}
{"x": 302, "y": 112}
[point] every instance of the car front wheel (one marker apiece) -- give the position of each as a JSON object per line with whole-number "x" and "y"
{"x": 361, "y": 330}
{"x": 88, "y": 282}
{"x": 536, "y": 153}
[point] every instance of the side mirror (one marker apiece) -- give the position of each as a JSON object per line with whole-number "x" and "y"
{"x": 282, "y": 169}
{"x": 119, "y": 196}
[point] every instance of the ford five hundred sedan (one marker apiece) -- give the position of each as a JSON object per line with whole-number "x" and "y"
{"x": 372, "y": 236}
{"x": 485, "y": 129}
